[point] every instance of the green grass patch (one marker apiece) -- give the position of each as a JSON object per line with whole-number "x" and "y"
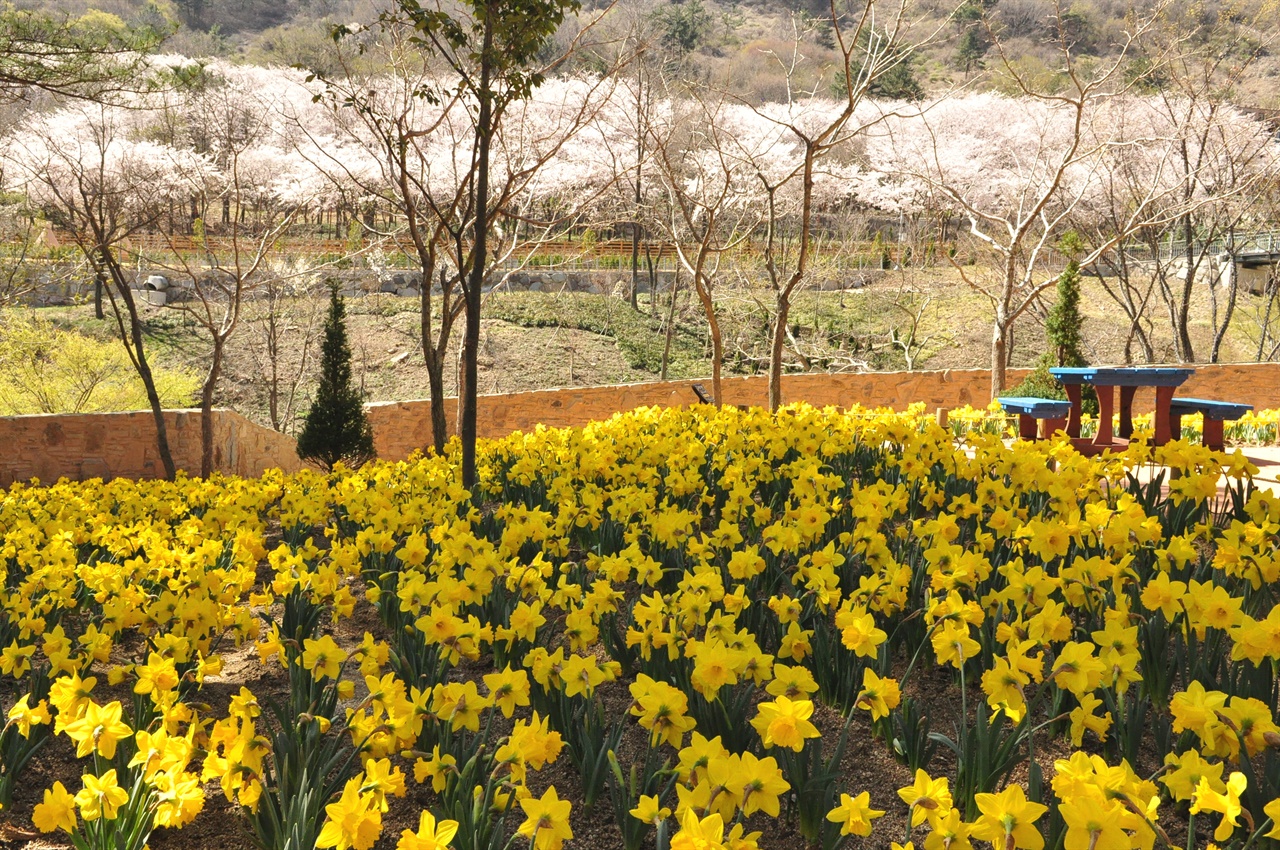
{"x": 639, "y": 336}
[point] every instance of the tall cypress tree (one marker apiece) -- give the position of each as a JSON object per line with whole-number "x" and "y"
{"x": 1063, "y": 333}
{"x": 336, "y": 428}
{"x": 1064, "y": 322}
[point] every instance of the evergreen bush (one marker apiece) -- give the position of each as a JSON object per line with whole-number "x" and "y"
{"x": 336, "y": 428}
{"x": 1063, "y": 329}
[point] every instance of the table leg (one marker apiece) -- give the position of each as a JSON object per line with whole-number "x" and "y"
{"x": 1126, "y": 411}
{"x": 1106, "y": 404}
{"x": 1164, "y": 422}
{"x": 1073, "y": 419}
{"x": 1213, "y": 436}
{"x": 1026, "y": 427}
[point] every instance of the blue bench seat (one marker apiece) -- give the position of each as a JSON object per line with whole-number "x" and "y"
{"x": 1029, "y": 409}
{"x": 1214, "y": 412}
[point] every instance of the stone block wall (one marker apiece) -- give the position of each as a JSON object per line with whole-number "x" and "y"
{"x": 245, "y": 448}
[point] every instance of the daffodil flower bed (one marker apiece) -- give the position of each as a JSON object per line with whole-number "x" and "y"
{"x": 704, "y": 615}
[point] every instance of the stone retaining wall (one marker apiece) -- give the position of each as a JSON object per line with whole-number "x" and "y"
{"x": 243, "y": 447}
{"x": 60, "y": 285}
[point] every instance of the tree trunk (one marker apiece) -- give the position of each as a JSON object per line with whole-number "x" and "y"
{"x": 784, "y": 293}
{"x": 1264, "y": 332}
{"x": 1139, "y": 335}
{"x": 652, "y": 269}
{"x": 775, "y": 352}
{"x": 637, "y": 197}
{"x": 717, "y": 359}
{"x": 439, "y": 422}
{"x": 999, "y": 354}
{"x": 635, "y": 258}
{"x": 273, "y": 357}
{"x": 133, "y": 338}
{"x": 1220, "y": 331}
{"x": 1186, "y": 352}
{"x": 434, "y": 358}
{"x": 206, "y": 409}
{"x": 471, "y": 340}
{"x": 671, "y": 328}
{"x": 717, "y": 341}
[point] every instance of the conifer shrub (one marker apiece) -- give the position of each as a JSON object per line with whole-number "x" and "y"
{"x": 336, "y": 428}
{"x": 1063, "y": 329}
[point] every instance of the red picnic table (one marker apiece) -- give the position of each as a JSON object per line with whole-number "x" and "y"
{"x": 1128, "y": 379}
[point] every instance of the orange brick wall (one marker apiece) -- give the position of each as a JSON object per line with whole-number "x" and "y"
{"x": 111, "y": 445}
{"x": 123, "y": 444}
{"x": 401, "y": 427}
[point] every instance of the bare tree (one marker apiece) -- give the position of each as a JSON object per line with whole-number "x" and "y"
{"x": 102, "y": 187}
{"x": 235, "y": 126}
{"x": 910, "y": 337}
{"x": 1125, "y": 275}
{"x": 705, "y": 199}
{"x": 218, "y": 276}
{"x": 872, "y": 40}
{"x": 284, "y": 322}
{"x": 416, "y": 128}
{"x": 1194, "y": 60}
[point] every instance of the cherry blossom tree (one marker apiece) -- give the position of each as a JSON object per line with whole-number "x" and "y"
{"x": 234, "y": 119}
{"x": 1014, "y": 168}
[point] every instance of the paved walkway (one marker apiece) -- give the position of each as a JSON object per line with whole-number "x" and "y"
{"x": 1267, "y": 459}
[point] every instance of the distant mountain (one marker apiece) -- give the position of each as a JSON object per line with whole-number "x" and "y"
{"x": 744, "y": 45}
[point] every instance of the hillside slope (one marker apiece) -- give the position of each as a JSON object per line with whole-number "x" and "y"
{"x": 745, "y": 45}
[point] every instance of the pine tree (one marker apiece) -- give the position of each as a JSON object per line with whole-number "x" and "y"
{"x": 1063, "y": 324}
{"x": 336, "y": 428}
{"x": 1063, "y": 332}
